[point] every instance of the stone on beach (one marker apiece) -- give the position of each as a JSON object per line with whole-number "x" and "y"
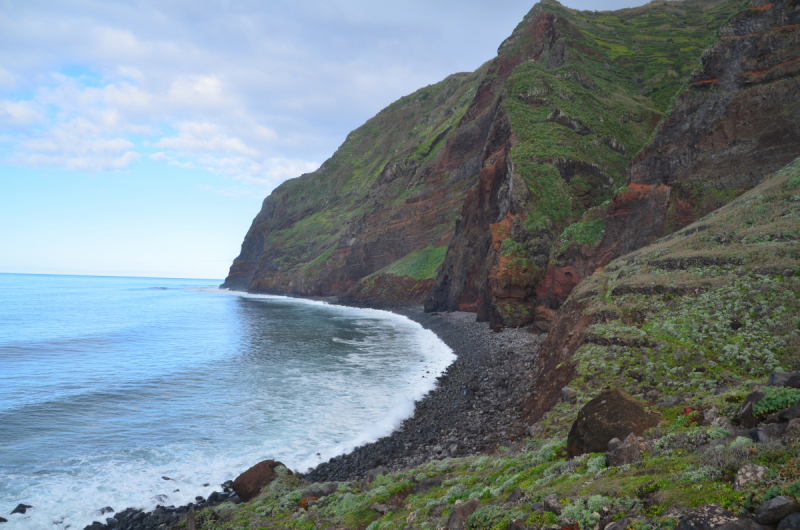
{"x": 249, "y": 484}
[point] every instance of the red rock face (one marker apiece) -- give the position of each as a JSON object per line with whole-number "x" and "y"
{"x": 475, "y": 276}
{"x": 736, "y": 123}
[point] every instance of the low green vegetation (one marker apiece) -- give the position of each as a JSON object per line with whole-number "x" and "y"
{"x": 419, "y": 264}
{"x": 671, "y": 474}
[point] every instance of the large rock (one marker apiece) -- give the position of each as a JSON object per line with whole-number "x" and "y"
{"x": 790, "y": 522}
{"x": 746, "y": 417}
{"x": 371, "y": 475}
{"x": 788, "y": 379}
{"x": 628, "y": 452}
{"x": 749, "y": 474}
{"x": 552, "y": 505}
{"x": 623, "y": 523}
{"x": 612, "y": 414}
{"x": 250, "y": 483}
{"x": 775, "y": 509}
{"x": 789, "y": 413}
{"x": 458, "y": 517}
{"x": 717, "y": 518}
{"x": 769, "y": 433}
{"x": 321, "y": 491}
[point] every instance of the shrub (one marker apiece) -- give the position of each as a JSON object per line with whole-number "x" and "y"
{"x": 776, "y": 398}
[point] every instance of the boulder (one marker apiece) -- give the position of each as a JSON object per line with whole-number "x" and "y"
{"x": 769, "y": 433}
{"x": 517, "y": 524}
{"x": 746, "y": 417}
{"x": 788, "y": 379}
{"x": 427, "y": 485}
{"x": 715, "y": 517}
{"x": 670, "y": 402}
{"x": 790, "y": 522}
{"x": 622, "y": 524}
{"x": 775, "y": 509}
{"x": 792, "y": 430}
{"x": 749, "y": 474}
{"x": 460, "y": 514}
{"x": 790, "y": 413}
{"x": 516, "y": 495}
{"x": 250, "y": 483}
{"x": 612, "y": 414}
{"x": 321, "y": 491}
{"x": 629, "y": 452}
{"x": 2, "y": 520}
{"x": 21, "y": 508}
{"x": 372, "y": 474}
{"x": 551, "y": 504}
{"x": 723, "y": 422}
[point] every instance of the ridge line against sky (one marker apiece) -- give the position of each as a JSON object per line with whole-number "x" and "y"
{"x": 140, "y": 138}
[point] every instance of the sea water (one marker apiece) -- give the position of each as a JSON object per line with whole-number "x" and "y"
{"x": 109, "y": 384}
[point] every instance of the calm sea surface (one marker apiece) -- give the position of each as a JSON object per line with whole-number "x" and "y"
{"x": 108, "y": 384}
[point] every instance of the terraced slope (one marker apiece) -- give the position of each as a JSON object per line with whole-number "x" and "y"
{"x": 714, "y": 305}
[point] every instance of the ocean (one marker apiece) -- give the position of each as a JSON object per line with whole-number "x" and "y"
{"x": 110, "y": 384}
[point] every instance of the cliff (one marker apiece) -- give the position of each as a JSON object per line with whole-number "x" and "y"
{"x": 736, "y": 121}
{"x": 461, "y": 191}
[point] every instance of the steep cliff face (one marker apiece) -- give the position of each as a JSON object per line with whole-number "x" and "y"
{"x": 736, "y": 121}
{"x": 388, "y": 196}
{"x": 585, "y": 97}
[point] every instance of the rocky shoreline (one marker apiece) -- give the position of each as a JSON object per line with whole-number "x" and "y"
{"x": 475, "y": 408}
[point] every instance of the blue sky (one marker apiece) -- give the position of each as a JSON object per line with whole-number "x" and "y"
{"x": 139, "y": 138}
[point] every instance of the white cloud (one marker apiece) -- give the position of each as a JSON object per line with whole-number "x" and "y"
{"x": 198, "y": 91}
{"x": 203, "y": 138}
{"x": 254, "y": 92}
{"x": 19, "y": 112}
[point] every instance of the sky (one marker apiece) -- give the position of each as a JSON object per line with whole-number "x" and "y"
{"x": 139, "y": 138}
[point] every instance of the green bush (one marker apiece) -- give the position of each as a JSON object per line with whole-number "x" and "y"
{"x": 776, "y": 398}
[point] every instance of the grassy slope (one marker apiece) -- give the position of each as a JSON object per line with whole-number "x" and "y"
{"x": 662, "y": 313}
